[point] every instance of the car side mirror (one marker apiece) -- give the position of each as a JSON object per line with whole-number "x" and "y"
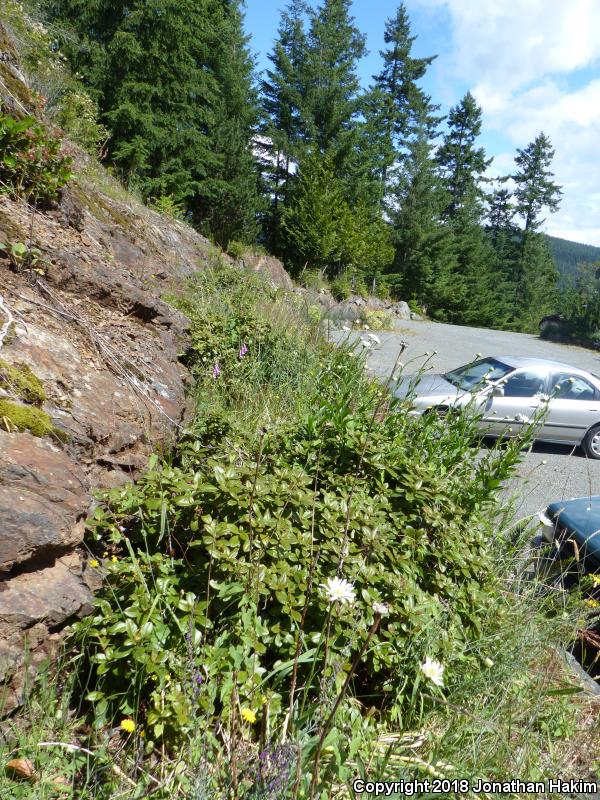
{"x": 498, "y": 391}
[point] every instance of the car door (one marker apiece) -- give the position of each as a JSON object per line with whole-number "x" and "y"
{"x": 574, "y": 407}
{"x": 523, "y": 396}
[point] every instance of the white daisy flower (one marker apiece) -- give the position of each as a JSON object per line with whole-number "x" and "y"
{"x": 433, "y": 670}
{"x": 346, "y": 328}
{"x": 381, "y": 608}
{"x": 337, "y": 590}
{"x": 374, "y": 338}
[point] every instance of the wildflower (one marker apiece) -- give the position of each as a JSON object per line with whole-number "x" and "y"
{"x": 346, "y": 328}
{"x": 375, "y": 339}
{"x": 488, "y": 663}
{"x": 544, "y": 462}
{"x": 367, "y": 344}
{"x": 596, "y": 580}
{"x": 381, "y": 608}
{"x": 243, "y": 351}
{"x": 248, "y": 715}
{"x": 366, "y": 327}
{"x": 433, "y": 670}
{"x": 338, "y": 590}
{"x": 128, "y": 725}
{"x": 592, "y": 603}
{"x": 114, "y": 559}
{"x": 94, "y": 563}
{"x": 216, "y": 370}
{"x": 477, "y": 355}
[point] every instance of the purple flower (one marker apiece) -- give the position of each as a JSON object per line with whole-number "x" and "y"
{"x": 243, "y": 351}
{"x": 216, "y": 370}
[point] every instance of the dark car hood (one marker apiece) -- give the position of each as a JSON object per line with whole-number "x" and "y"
{"x": 581, "y": 518}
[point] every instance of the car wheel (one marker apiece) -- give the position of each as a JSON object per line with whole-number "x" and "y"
{"x": 591, "y": 442}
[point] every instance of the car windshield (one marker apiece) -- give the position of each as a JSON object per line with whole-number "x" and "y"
{"x": 472, "y": 375}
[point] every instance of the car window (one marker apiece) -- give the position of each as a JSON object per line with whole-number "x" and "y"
{"x": 565, "y": 386}
{"x": 524, "y": 383}
{"x": 474, "y": 374}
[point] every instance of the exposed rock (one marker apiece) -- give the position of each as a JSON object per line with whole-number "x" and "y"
{"x": 271, "y": 268}
{"x": 90, "y": 323}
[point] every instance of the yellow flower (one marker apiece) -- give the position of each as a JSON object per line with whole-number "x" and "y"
{"x": 248, "y": 715}
{"x": 128, "y": 725}
{"x": 595, "y": 580}
{"x": 94, "y": 563}
{"x": 114, "y": 559}
{"x": 592, "y": 603}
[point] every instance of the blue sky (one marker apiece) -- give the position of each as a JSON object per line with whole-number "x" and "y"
{"x": 532, "y": 64}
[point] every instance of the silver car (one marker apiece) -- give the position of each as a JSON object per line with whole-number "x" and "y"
{"x": 508, "y": 392}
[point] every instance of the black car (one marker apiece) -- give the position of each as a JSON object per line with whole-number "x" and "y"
{"x": 574, "y": 528}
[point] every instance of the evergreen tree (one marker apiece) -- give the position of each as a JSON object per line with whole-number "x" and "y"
{"x": 228, "y": 200}
{"x": 402, "y": 109}
{"x": 332, "y": 86}
{"x": 536, "y": 274}
{"x": 535, "y": 189}
{"x": 174, "y": 83}
{"x": 461, "y": 163}
{"x": 537, "y": 287}
{"x": 145, "y": 64}
{"x": 424, "y": 243}
{"x": 283, "y": 91}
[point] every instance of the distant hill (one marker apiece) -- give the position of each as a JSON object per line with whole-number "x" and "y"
{"x": 569, "y": 254}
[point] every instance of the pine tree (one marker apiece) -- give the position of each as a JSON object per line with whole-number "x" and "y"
{"x": 228, "y": 201}
{"x": 316, "y": 219}
{"x": 472, "y": 299}
{"x": 461, "y": 163}
{"x": 402, "y": 109}
{"x": 535, "y": 189}
{"x": 424, "y": 243}
{"x": 145, "y": 63}
{"x": 536, "y": 274}
{"x": 332, "y": 86}
{"x": 284, "y": 129}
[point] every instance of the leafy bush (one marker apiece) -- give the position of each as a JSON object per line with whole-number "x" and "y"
{"x": 378, "y": 320}
{"x": 241, "y": 536}
{"x": 31, "y": 164}
{"x": 341, "y": 288}
{"x": 236, "y": 250}
{"x": 168, "y": 205}
{"x": 78, "y": 115}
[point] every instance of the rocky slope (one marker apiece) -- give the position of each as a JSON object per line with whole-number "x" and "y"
{"x": 88, "y": 362}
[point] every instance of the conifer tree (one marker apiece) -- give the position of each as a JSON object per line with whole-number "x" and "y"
{"x": 284, "y": 128}
{"x": 461, "y": 163}
{"x": 536, "y": 274}
{"x": 535, "y": 189}
{"x": 335, "y": 45}
{"x": 402, "y": 107}
{"x": 424, "y": 243}
{"x": 228, "y": 201}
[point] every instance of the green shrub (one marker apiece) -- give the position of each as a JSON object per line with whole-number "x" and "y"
{"x": 31, "y": 165}
{"x": 239, "y": 542}
{"x": 378, "y": 320}
{"x": 168, "y": 205}
{"x": 341, "y": 288}
{"x": 236, "y": 250}
{"x": 314, "y": 279}
{"x": 78, "y": 115}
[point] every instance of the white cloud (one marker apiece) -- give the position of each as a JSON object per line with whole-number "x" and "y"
{"x": 516, "y": 57}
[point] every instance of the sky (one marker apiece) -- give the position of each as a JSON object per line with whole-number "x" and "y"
{"x": 533, "y": 65}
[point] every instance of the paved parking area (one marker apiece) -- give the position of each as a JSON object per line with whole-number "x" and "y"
{"x": 549, "y": 472}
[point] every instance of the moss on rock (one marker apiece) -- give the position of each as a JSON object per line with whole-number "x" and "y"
{"x": 19, "y": 379}
{"x": 25, "y": 418}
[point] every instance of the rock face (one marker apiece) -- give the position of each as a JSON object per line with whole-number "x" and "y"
{"x": 90, "y": 324}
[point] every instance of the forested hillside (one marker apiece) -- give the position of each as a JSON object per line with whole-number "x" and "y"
{"x": 570, "y": 255}
{"x": 371, "y": 186}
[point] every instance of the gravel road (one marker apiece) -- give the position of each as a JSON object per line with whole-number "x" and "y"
{"x": 549, "y": 472}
